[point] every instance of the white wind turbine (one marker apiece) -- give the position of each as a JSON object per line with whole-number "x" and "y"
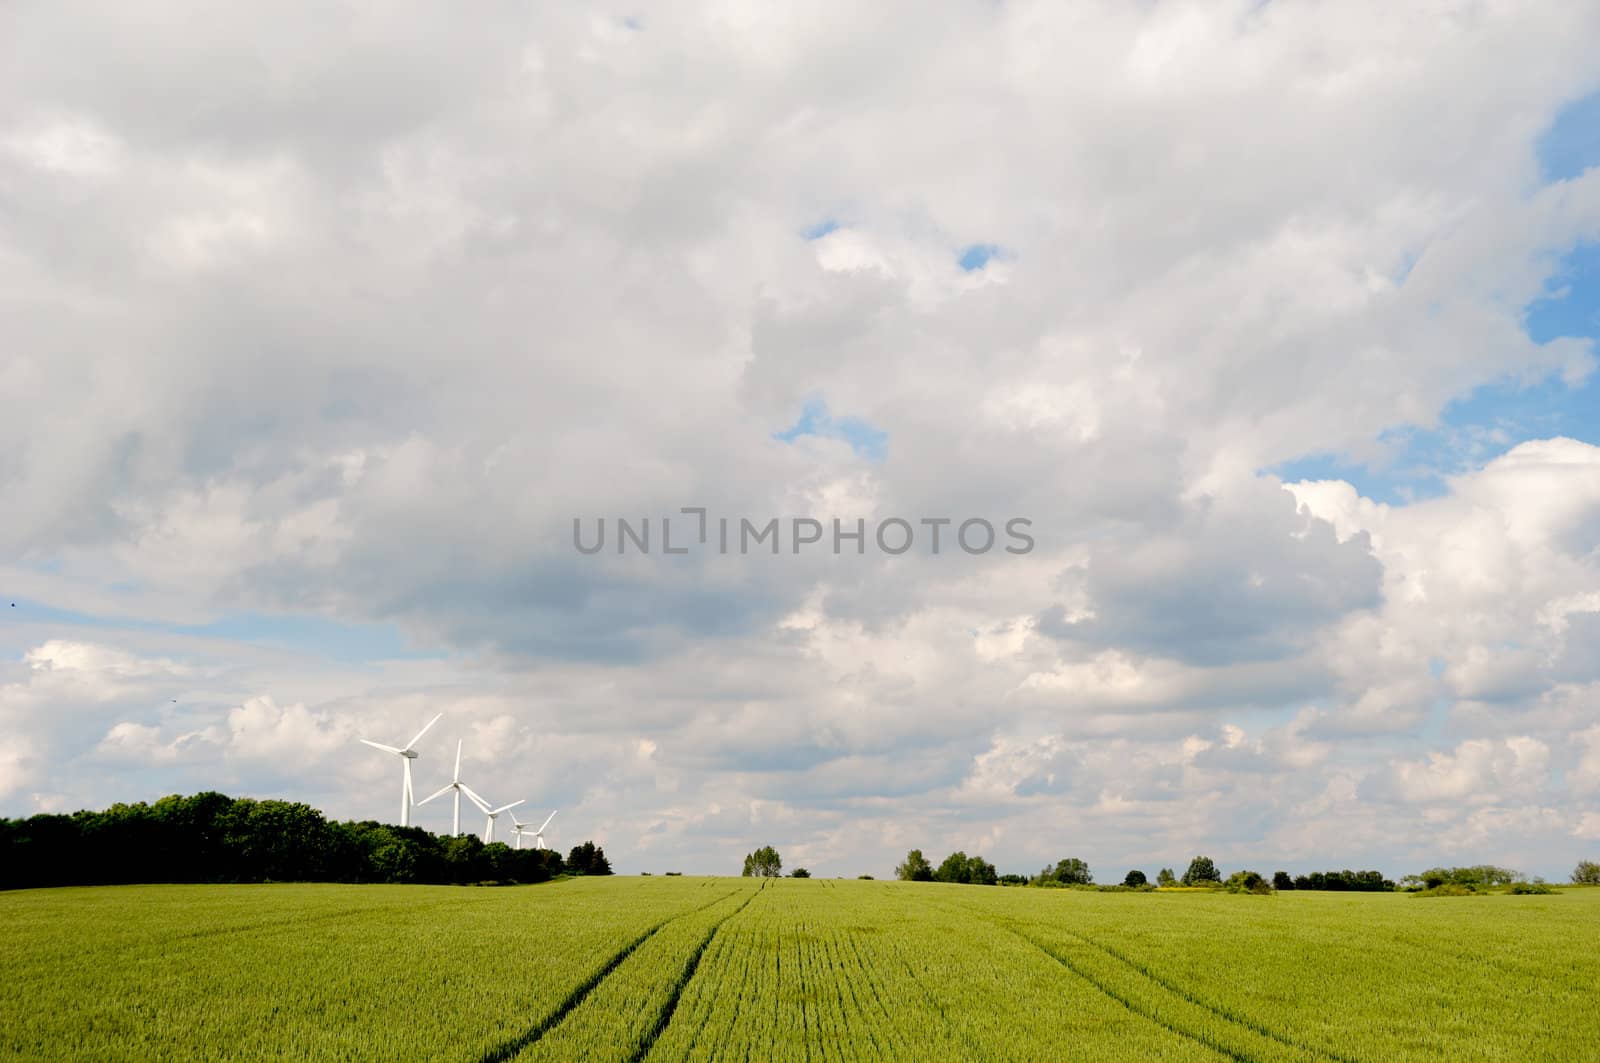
{"x": 492, "y": 813}
{"x": 520, "y": 829}
{"x": 455, "y": 784}
{"x": 406, "y": 755}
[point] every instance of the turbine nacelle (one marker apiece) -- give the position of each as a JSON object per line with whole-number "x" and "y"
{"x": 406, "y": 754}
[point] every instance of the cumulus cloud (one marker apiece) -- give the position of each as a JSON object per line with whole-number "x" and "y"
{"x": 353, "y": 338}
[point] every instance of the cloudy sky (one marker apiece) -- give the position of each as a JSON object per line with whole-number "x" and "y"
{"x": 1276, "y": 319}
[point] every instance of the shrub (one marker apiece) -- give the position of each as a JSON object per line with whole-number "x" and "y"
{"x": 799, "y": 872}
{"x": 1248, "y": 882}
{"x": 1530, "y": 887}
{"x": 1449, "y": 889}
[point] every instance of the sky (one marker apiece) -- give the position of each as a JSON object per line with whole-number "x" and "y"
{"x": 1276, "y": 322}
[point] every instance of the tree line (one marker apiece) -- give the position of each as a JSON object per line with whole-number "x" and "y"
{"x": 211, "y": 837}
{"x": 1203, "y": 873}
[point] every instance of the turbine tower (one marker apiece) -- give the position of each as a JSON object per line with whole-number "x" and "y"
{"x": 455, "y": 784}
{"x": 492, "y": 813}
{"x": 520, "y": 829}
{"x": 406, "y": 754}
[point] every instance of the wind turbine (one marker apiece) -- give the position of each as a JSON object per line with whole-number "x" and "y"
{"x": 455, "y": 784}
{"x": 519, "y": 829}
{"x": 407, "y": 755}
{"x": 492, "y": 813}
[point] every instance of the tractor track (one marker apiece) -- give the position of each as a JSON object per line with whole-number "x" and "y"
{"x": 670, "y": 1005}
{"x": 507, "y": 1049}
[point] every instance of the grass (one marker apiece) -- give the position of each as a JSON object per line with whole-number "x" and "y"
{"x": 700, "y": 968}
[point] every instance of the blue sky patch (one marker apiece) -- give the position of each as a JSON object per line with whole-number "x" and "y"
{"x": 1572, "y": 143}
{"x": 314, "y": 636}
{"x": 1493, "y": 418}
{"x": 867, "y": 440}
{"x": 820, "y": 229}
{"x": 977, "y": 256}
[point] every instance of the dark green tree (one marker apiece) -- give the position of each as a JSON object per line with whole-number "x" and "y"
{"x": 1134, "y": 878}
{"x": 1587, "y": 873}
{"x": 763, "y": 863}
{"x": 1201, "y": 872}
{"x": 1282, "y": 881}
{"x": 915, "y": 869}
{"x": 1165, "y": 877}
{"x": 588, "y": 859}
{"x": 799, "y": 872}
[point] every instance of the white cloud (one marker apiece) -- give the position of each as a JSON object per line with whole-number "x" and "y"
{"x": 357, "y": 339}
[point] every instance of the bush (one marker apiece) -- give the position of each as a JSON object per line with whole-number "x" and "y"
{"x": 1248, "y": 882}
{"x": 1477, "y": 877}
{"x": 1449, "y": 890}
{"x": 1530, "y": 887}
{"x": 866, "y": 877}
{"x": 799, "y": 872}
{"x": 1587, "y": 873}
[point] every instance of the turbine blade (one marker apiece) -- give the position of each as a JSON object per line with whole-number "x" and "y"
{"x": 438, "y": 793}
{"x": 547, "y": 820}
{"x": 472, "y": 795}
{"x": 457, "y": 775}
{"x": 424, "y": 731}
{"x": 502, "y": 808}
{"x": 380, "y": 745}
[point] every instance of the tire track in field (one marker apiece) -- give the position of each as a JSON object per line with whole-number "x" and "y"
{"x": 670, "y": 1005}
{"x": 507, "y": 1049}
{"x": 1221, "y": 1011}
{"x": 1198, "y": 1038}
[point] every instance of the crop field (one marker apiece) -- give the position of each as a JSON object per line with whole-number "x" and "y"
{"x": 711, "y": 968}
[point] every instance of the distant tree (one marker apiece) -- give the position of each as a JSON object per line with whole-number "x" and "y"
{"x": 1587, "y": 873}
{"x": 1201, "y": 872}
{"x": 1013, "y": 880}
{"x": 588, "y": 859}
{"x": 1345, "y": 881}
{"x": 1282, "y": 881}
{"x": 799, "y": 872}
{"x": 867, "y": 877}
{"x": 967, "y": 870}
{"x": 1072, "y": 872}
{"x": 1477, "y": 877}
{"x": 915, "y": 869}
{"x": 763, "y": 863}
{"x": 1134, "y": 878}
{"x": 1165, "y": 877}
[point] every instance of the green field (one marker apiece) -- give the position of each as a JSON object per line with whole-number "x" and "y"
{"x": 711, "y": 968}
